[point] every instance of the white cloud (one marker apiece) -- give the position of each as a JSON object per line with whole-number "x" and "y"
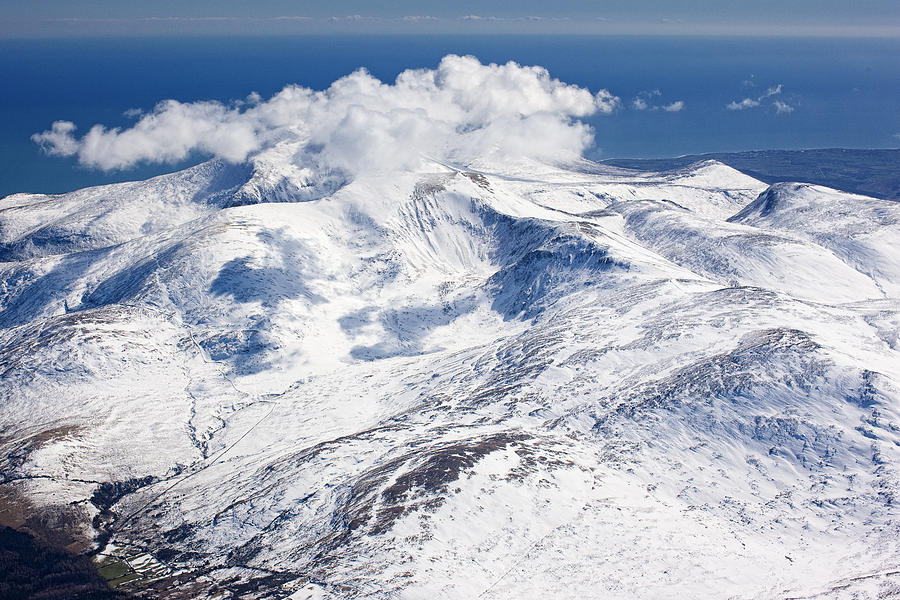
{"x": 771, "y": 91}
{"x": 58, "y": 140}
{"x": 606, "y": 102}
{"x": 350, "y": 18}
{"x": 676, "y": 106}
{"x": 643, "y": 102}
{"x": 783, "y": 108}
{"x": 746, "y": 103}
{"x": 459, "y": 111}
{"x": 743, "y": 104}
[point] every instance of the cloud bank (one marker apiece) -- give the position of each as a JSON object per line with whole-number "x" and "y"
{"x": 459, "y": 111}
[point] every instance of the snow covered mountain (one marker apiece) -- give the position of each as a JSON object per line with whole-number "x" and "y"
{"x": 317, "y": 369}
{"x": 539, "y": 381}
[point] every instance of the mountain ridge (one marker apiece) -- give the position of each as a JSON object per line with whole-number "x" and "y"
{"x": 870, "y": 172}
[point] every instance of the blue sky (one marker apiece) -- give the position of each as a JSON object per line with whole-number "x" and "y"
{"x": 42, "y": 18}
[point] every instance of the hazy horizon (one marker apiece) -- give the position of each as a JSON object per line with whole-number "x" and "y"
{"x": 829, "y": 18}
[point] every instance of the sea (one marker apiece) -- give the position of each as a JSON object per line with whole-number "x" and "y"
{"x": 839, "y": 92}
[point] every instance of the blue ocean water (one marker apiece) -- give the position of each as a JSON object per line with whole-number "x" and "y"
{"x": 844, "y": 92}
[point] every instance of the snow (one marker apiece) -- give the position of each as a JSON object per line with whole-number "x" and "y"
{"x": 497, "y": 380}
